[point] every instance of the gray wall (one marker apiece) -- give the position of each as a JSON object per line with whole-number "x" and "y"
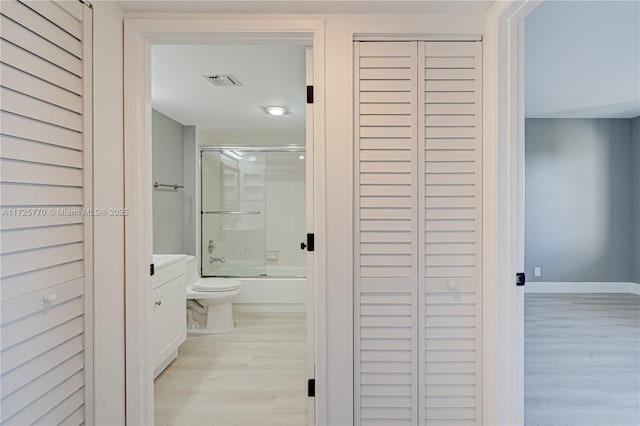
{"x": 578, "y": 218}
{"x": 635, "y": 170}
{"x": 168, "y": 167}
{"x": 191, "y": 155}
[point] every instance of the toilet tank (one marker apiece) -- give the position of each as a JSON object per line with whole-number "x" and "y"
{"x": 191, "y": 270}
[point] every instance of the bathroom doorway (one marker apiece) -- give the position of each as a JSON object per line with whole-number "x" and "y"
{"x": 244, "y": 199}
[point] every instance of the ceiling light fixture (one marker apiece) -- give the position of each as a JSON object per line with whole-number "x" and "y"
{"x": 276, "y": 110}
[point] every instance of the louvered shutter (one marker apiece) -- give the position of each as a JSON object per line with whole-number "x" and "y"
{"x": 44, "y": 185}
{"x": 417, "y": 233}
{"x": 450, "y": 218}
{"x": 386, "y": 237}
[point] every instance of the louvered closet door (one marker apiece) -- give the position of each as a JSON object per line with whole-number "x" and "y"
{"x": 450, "y": 231}
{"x": 386, "y": 237}
{"x": 417, "y": 233}
{"x": 44, "y": 184}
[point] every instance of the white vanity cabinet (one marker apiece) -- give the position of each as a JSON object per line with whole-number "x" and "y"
{"x": 169, "y": 309}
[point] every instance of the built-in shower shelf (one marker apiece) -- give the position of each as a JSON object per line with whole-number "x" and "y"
{"x": 253, "y": 186}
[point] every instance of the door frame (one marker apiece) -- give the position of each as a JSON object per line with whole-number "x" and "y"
{"x": 139, "y": 34}
{"x": 503, "y": 211}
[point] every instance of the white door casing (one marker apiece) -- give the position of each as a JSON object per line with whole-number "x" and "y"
{"x": 309, "y": 209}
{"x": 503, "y": 184}
{"x": 139, "y": 34}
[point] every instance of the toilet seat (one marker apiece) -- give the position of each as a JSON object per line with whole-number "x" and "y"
{"x": 211, "y": 285}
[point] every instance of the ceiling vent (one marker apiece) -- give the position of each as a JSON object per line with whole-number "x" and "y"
{"x": 223, "y": 80}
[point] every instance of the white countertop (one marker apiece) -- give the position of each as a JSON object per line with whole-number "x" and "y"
{"x": 162, "y": 260}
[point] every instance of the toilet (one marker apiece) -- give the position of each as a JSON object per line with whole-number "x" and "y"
{"x": 209, "y": 302}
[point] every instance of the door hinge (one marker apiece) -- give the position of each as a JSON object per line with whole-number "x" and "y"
{"x": 311, "y": 388}
{"x": 152, "y": 269}
{"x": 521, "y": 278}
{"x": 309, "y": 94}
{"x": 310, "y": 244}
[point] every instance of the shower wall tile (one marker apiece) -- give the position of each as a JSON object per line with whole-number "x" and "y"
{"x": 285, "y": 204}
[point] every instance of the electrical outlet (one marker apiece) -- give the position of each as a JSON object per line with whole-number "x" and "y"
{"x": 537, "y": 271}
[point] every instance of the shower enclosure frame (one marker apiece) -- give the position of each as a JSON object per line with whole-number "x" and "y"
{"x": 201, "y": 212}
{"x": 139, "y": 34}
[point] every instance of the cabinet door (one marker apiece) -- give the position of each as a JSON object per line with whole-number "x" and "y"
{"x": 169, "y": 316}
{"x": 417, "y": 235}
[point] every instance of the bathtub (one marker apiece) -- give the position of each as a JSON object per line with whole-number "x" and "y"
{"x": 274, "y": 293}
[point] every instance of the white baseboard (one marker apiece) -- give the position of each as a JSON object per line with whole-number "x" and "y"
{"x": 581, "y": 287}
{"x": 269, "y": 307}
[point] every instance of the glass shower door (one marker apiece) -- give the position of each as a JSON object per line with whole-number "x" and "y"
{"x": 233, "y": 213}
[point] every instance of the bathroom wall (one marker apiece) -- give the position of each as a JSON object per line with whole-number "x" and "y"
{"x": 578, "y": 218}
{"x": 168, "y": 167}
{"x": 635, "y": 198}
{"x": 191, "y": 206}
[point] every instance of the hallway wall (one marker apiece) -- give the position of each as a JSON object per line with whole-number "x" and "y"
{"x": 336, "y": 360}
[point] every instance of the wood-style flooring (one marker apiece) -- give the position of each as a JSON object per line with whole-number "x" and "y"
{"x": 582, "y": 367}
{"x": 582, "y": 359}
{"x": 253, "y": 375}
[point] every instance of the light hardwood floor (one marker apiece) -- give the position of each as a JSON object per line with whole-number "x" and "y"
{"x": 582, "y": 359}
{"x": 253, "y": 375}
{"x": 582, "y": 367}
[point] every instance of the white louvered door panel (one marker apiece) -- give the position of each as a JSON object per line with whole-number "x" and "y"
{"x": 418, "y": 233}
{"x": 450, "y": 157}
{"x": 386, "y": 234}
{"x": 45, "y": 159}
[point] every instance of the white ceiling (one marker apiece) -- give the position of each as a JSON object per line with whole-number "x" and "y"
{"x": 582, "y": 59}
{"x": 271, "y": 74}
{"x": 307, "y": 6}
